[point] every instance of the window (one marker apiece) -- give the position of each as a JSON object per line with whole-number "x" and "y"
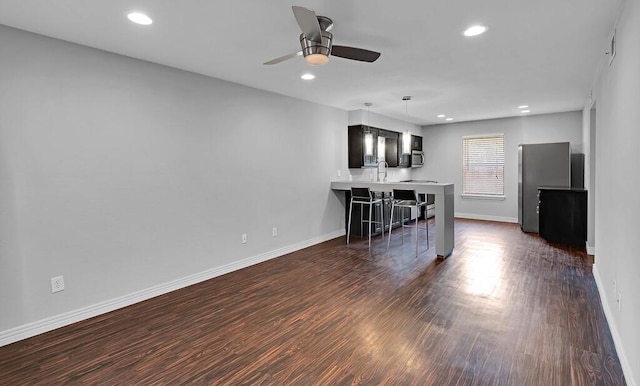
{"x": 483, "y": 166}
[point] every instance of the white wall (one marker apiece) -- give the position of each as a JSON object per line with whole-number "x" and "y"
{"x": 123, "y": 175}
{"x": 617, "y": 159}
{"x": 443, "y": 151}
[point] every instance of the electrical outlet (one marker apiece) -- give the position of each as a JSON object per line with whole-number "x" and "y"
{"x": 57, "y": 284}
{"x": 274, "y": 232}
{"x": 244, "y": 238}
{"x": 339, "y": 173}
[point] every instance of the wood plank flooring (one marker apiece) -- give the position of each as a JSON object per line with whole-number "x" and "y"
{"x": 505, "y": 308}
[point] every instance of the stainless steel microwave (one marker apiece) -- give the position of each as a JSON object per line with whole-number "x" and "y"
{"x": 417, "y": 158}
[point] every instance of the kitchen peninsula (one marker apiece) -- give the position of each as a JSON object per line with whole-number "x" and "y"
{"x": 443, "y": 193}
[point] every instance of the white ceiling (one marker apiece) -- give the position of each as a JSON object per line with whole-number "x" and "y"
{"x": 543, "y": 53}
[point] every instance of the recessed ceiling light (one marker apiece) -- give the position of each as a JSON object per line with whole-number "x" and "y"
{"x": 523, "y": 106}
{"x": 525, "y": 111}
{"x": 139, "y": 18}
{"x": 449, "y": 119}
{"x": 475, "y": 30}
{"x": 308, "y": 76}
{"x": 441, "y": 116}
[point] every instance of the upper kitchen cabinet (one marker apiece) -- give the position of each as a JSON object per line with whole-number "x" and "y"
{"x": 370, "y": 145}
{"x": 416, "y": 142}
{"x": 363, "y": 146}
{"x": 388, "y": 146}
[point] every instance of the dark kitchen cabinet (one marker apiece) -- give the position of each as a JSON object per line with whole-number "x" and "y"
{"x": 563, "y": 215}
{"x": 390, "y": 141}
{"x": 416, "y": 142}
{"x": 384, "y": 145}
{"x": 390, "y": 145}
{"x": 356, "y": 146}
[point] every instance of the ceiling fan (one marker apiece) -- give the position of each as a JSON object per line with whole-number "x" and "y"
{"x": 316, "y": 41}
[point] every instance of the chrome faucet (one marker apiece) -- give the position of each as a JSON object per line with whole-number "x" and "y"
{"x": 386, "y": 166}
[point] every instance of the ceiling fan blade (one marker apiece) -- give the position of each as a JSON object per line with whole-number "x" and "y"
{"x": 283, "y": 58}
{"x": 308, "y": 22}
{"x": 355, "y": 53}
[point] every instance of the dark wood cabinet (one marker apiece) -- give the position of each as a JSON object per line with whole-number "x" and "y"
{"x": 356, "y": 146}
{"x": 563, "y": 215}
{"x": 416, "y": 142}
{"x": 391, "y": 153}
{"x": 390, "y": 141}
{"x": 390, "y": 146}
{"x": 384, "y": 146}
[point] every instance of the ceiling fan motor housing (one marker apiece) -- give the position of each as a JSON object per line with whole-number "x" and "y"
{"x": 310, "y": 47}
{"x": 316, "y": 42}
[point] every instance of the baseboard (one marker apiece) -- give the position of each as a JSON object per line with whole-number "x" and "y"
{"x": 474, "y": 216}
{"x": 54, "y": 322}
{"x": 617, "y": 341}
{"x": 590, "y": 249}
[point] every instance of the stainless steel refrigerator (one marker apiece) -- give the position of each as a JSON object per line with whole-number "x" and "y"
{"x": 544, "y": 164}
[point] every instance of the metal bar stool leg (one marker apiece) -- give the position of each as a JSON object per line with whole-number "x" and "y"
{"x": 369, "y": 229}
{"x": 361, "y": 217}
{"x": 382, "y": 218}
{"x": 402, "y": 222}
{"x": 426, "y": 226}
{"x": 416, "y": 230}
{"x": 390, "y": 226}
{"x": 349, "y": 222}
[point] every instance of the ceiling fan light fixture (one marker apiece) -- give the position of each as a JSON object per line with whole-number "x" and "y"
{"x": 316, "y": 42}
{"x": 316, "y": 59}
{"x": 316, "y": 53}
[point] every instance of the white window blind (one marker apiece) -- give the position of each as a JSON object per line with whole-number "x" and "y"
{"x": 483, "y": 165}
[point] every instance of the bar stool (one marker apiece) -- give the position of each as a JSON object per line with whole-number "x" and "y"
{"x": 407, "y": 198}
{"x": 364, "y": 196}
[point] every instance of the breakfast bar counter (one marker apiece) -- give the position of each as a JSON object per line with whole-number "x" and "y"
{"x": 443, "y": 193}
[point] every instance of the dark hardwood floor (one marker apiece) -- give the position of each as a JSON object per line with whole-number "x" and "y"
{"x": 505, "y": 309}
